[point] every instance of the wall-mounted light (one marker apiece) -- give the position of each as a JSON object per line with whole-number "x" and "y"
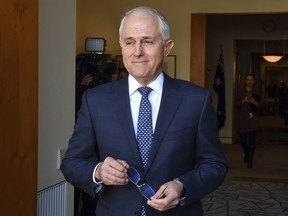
{"x": 95, "y": 45}
{"x": 273, "y": 58}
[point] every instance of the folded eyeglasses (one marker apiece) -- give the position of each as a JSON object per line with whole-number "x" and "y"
{"x": 145, "y": 189}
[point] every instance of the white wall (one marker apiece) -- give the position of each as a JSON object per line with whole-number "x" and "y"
{"x": 57, "y": 36}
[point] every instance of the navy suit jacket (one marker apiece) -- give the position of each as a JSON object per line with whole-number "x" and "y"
{"x": 185, "y": 145}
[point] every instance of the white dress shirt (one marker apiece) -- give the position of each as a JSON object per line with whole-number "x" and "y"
{"x": 135, "y": 99}
{"x": 154, "y": 98}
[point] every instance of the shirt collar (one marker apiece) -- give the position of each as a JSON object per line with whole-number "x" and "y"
{"x": 156, "y": 85}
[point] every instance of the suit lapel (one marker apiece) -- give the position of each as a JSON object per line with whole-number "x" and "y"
{"x": 121, "y": 105}
{"x": 169, "y": 104}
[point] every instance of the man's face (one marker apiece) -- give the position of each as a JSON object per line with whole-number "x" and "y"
{"x": 143, "y": 47}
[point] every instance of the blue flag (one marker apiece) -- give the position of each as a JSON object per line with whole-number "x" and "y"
{"x": 219, "y": 87}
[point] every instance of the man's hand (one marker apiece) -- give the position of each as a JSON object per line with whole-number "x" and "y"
{"x": 112, "y": 172}
{"x": 167, "y": 196}
{"x": 86, "y": 80}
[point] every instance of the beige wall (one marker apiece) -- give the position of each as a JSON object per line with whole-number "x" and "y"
{"x": 101, "y": 18}
{"x": 105, "y": 22}
{"x": 56, "y": 85}
{"x": 57, "y": 50}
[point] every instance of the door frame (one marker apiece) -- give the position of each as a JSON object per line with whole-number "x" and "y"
{"x": 198, "y": 55}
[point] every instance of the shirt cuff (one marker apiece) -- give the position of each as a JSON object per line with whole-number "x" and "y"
{"x": 94, "y": 172}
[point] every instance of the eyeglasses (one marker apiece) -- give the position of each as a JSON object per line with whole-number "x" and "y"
{"x": 145, "y": 189}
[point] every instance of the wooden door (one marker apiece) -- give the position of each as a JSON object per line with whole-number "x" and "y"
{"x": 18, "y": 107}
{"x": 198, "y": 49}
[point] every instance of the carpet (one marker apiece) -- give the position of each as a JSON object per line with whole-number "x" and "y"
{"x": 241, "y": 198}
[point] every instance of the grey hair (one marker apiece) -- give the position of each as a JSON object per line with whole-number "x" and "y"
{"x": 162, "y": 21}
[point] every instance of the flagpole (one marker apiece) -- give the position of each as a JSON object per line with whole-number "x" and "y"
{"x": 219, "y": 87}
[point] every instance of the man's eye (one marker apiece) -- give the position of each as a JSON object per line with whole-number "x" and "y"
{"x": 148, "y": 42}
{"x": 129, "y": 43}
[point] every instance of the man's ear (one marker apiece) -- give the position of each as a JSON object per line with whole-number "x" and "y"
{"x": 168, "y": 47}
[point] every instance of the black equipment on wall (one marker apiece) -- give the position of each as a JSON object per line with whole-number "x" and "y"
{"x": 98, "y": 66}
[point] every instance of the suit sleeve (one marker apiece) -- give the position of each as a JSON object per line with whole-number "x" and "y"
{"x": 211, "y": 165}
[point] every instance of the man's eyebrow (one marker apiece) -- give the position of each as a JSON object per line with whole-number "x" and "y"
{"x": 148, "y": 37}
{"x": 143, "y": 38}
{"x": 128, "y": 38}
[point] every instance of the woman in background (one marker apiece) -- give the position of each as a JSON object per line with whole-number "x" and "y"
{"x": 248, "y": 104}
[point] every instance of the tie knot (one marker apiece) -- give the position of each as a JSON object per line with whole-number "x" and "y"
{"x": 145, "y": 90}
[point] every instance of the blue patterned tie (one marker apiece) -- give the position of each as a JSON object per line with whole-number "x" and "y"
{"x": 144, "y": 129}
{"x": 144, "y": 125}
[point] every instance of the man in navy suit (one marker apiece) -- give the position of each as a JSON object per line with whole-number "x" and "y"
{"x": 186, "y": 159}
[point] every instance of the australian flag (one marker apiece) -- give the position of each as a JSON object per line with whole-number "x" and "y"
{"x": 219, "y": 87}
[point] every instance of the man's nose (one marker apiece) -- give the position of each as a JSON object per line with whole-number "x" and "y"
{"x": 139, "y": 49}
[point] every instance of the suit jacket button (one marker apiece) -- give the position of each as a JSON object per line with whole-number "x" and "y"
{"x": 137, "y": 213}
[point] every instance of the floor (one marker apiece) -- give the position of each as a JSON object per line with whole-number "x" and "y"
{"x": 261, "y": 190}
{"x": 270, "y": 163}
{"x": 239, "y": 198}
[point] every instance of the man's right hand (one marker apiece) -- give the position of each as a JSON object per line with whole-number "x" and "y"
{"x": 112, "y": 172}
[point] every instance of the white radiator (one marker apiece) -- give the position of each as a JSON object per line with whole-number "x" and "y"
{"x": 52, "y": 200}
